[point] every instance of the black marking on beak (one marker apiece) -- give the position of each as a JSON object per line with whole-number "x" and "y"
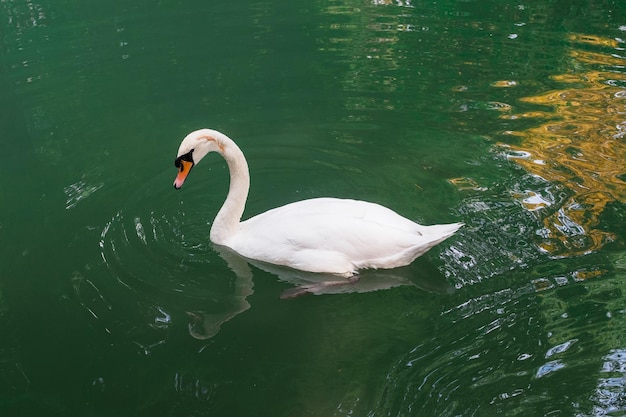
{"x": 186, "y": 157}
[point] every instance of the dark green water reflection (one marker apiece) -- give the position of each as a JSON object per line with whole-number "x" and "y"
{"x": 507, "y": 116}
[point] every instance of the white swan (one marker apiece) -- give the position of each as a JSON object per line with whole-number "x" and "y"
{"x": 320, "y": 235}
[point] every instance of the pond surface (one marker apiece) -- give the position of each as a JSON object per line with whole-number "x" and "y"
{"x": 507, "y": 116}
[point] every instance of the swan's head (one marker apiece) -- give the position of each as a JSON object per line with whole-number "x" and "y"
{"x": 193, "y": 148}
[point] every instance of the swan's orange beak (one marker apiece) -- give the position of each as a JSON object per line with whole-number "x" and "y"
{"x": 183, "y": 170}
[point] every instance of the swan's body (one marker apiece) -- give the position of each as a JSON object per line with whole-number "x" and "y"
{"x": 320, "y": 235}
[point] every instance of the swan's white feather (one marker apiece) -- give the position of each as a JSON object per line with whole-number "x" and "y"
{"x": 335, "y": 236}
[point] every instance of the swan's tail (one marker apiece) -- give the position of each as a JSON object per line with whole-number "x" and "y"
{"x": 440, "y": 232}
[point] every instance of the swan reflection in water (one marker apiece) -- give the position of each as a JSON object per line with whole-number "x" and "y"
{"x": 204, "y": 325}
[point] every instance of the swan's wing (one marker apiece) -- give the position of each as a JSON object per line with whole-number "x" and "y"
{"x": 332, "y": 235}
{"x": 334, "y": 224}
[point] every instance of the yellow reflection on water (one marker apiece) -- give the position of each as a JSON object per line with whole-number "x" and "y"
{"x": 580, "y": 145}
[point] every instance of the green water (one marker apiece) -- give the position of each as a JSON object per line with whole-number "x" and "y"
{"x": 508, "y": 116}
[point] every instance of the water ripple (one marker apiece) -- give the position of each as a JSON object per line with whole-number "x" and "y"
{"x": 79, "y": 191}
{"x": 486, "y": 369}
{"x": 162, "y": 265}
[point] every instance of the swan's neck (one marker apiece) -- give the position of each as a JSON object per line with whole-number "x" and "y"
{"x": 226, "y": 223}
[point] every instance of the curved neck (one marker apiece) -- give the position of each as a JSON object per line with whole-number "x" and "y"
{"x": 226, "y": 223}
